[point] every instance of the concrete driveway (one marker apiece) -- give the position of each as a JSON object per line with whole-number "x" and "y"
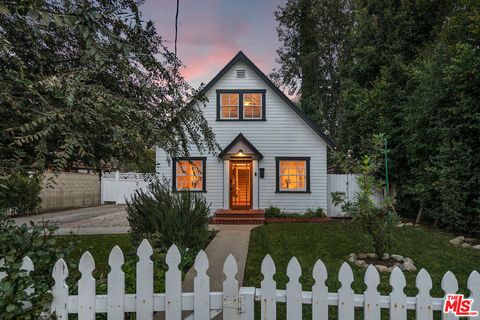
{"x": 106, "y": 219}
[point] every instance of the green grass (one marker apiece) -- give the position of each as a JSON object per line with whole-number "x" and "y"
{"x": 99, "y": 246}
{"x": 332, "y": 242}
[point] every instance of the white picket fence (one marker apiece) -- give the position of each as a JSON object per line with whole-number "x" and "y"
{"x": 238, "y": 302}
{"x": 119, "y": 187}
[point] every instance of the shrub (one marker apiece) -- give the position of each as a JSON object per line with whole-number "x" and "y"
{"x": 272, "y": 212}
{"x": 36, "y": 242}
{"x": 20, "y": 194}
{"x": 377, "y": 222}
{"x": 319, "y": 213}
{"x": 165, "y": 217}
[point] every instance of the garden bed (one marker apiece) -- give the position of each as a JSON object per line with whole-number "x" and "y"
{"x": 297, "y": 219}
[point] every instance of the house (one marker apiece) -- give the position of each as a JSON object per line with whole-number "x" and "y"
{"x": 272, "y": 154}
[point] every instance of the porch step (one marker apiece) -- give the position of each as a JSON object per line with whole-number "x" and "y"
{"x": 216, "y": 220}
{"x": 238, "y": 217}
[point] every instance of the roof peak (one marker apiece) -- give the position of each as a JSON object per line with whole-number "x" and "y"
{"x": 242, "y": 56}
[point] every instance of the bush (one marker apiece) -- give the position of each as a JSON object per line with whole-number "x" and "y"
{"x": 378, "y": 223}
{"x": 272, "y": 212}
{"x": 36, "y": 242}
{"x": 165, "y": 217}
{"x": 20, "y": 194}
{"x": 319, "y": 213}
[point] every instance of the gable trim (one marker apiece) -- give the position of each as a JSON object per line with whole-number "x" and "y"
{"x": 240, "y": 56}
{"x": 238, "y": 138}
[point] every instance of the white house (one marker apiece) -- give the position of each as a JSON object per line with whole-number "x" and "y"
{"x": 272, "y": 154}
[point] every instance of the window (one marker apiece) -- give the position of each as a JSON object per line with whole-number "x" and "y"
{"x": 293, "y": 174}
{"x": 229, "y": 105}
{"x": 252, "y": 105}
{"x": 189, "y": 174}
{"x": 240, "y": 105}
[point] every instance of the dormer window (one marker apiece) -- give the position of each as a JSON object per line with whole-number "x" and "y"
{"x": 244, "y": 105}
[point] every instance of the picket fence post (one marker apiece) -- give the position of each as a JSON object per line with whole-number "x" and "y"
{"x": 371, "y": 304}
{"x": 319, "y": 291}
{"x": 345, "y": 293}
{"x": 424, "y": 300}
{"x": 230, "y": 289}
{"x": 449, "y": 286}
{"x": 86, "y": 288}
{"x": 116, "y": 285}
{"x": 398, "y": 299}
{"x": 201, "y": 288}
{"x": 173, "y": 285}
{"x": 473, "y": 285}
{"x": 268, "y": 290}
{"x": 294, "y": 290}
{"x": 60, "y": 290}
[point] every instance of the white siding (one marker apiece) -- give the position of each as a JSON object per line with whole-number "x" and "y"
{"x": 283, "y": 134}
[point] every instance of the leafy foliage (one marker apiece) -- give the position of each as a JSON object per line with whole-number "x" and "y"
{"x": 36, "y": 242}
{"x": 90, "y": 82}
{"x": 314, "y": 36}
{"x": 165, "y": 217}
{"x": 21, "y": 194}
{"x": 408, "y": 69}
{"x": 377, "y": 222}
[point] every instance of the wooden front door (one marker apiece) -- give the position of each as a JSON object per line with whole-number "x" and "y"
{"x": 240, "y": 184}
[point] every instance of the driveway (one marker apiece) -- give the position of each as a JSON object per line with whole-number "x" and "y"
{"x": 106, "y": 219}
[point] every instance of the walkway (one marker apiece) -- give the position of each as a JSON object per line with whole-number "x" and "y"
{"x": 231, "y": 239}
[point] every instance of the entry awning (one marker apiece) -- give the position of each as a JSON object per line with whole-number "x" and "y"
{"x": 238, "y": 147}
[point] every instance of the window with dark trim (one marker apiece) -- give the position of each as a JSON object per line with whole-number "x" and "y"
{"x": 293, "y": 174}
{"x": 189, "y": 174}
{"x": 241, "y": 105}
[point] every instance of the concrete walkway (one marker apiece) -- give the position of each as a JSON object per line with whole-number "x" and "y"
{"x": 106, "y": 219}
{"x": 231, "y": 239}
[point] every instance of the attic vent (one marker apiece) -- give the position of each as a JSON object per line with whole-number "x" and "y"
{"x": 241, "y": 74}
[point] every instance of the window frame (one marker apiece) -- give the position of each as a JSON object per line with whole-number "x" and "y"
{"x": 240, "y": 104}
{"x": 307, "y": 174}
{"x": 204, "y": 173}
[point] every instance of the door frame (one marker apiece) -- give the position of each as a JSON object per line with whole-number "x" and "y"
{"x": 230, "y": 165}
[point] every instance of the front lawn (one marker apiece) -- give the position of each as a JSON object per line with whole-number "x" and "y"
{"x": 332, "y": 242}
{"x": 100, "y": 246}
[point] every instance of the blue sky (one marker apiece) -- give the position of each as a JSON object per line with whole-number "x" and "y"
{"x": 211, "y": 32}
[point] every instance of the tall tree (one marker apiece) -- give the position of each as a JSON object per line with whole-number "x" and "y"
{"x": 313, "y": 35}
{"x": 89, "y": 81}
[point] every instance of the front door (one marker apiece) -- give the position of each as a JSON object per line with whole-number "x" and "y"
{"x": 240, "y": 184}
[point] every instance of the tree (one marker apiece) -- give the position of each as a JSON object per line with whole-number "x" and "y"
{"x": 444, "y": 121}
{"x": 313, "y": 35}
{"x": 89, "y": 81}
{"x": 378, "y": 223}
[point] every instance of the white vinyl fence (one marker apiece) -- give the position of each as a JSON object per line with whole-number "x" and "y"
{"x": 346, "y": 183}
{"x": 237, "y": 302}
{"x": 119, "y": 187}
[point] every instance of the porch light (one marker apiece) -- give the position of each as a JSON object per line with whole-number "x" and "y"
{"x": 240, "y": 152}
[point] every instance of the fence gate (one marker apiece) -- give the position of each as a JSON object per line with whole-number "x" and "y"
{"x": 118, "y": 187}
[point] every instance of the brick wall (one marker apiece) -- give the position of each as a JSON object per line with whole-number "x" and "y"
{"x": 70, "y": 190}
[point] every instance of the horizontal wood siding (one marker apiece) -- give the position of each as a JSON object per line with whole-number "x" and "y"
{"x": 283, "y": 134}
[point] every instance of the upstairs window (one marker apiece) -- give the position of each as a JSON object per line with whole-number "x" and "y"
{"x": 293, "y": 174}
{"x": 246, "y": 105}
{"x": 189, "y": 174}
{"x": 252, "y": 105}
{"x": 229, "y": 105}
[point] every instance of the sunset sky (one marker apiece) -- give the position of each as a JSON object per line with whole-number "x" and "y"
{"x": 211, "y": 32}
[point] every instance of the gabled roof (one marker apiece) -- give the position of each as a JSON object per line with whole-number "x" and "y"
{"x": 240, "y": 56}
{"x": 241, "y": 138}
